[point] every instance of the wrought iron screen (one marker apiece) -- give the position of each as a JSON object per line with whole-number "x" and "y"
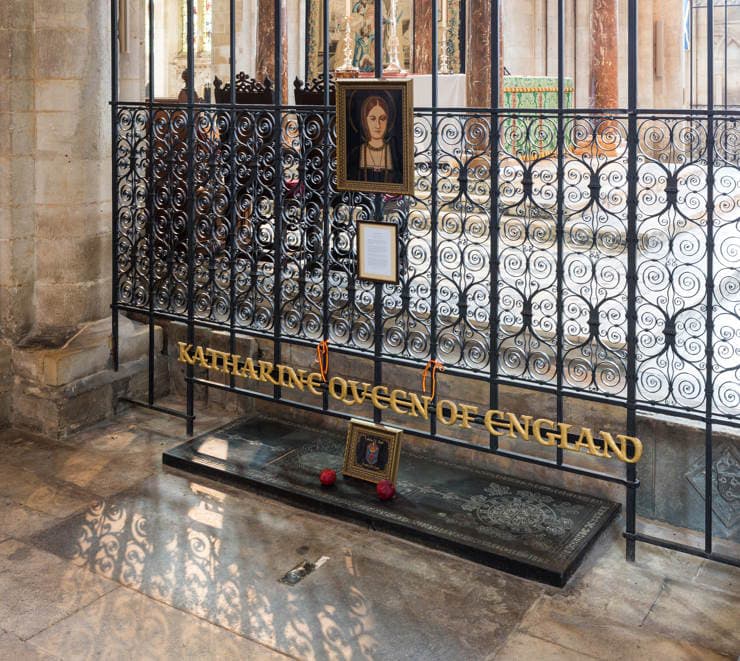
{"x": 590, "y": 254}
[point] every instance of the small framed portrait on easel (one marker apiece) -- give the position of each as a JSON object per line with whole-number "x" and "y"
{"x": 375, "y": 136}
{"x": 372, "y": 452}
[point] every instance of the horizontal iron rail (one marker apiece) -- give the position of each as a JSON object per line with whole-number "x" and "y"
{"x": 156, "y": 407}
{"x": 453, "y": 371}
{"x": 457, "y": 110}
{"x": 683, "y": 548}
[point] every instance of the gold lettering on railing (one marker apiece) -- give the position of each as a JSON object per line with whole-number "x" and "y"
{"x": 353, "y": 393}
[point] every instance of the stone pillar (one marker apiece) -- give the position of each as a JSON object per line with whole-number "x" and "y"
{"x": 55, "y": 219}
{"x": 423, "y": 23}
{"x": 671, "y": 91}
{"x": 265, "y": 64}
{"x": 73, "y": 150}
{"x": 17, "y": 167}
{"x": 604, "y": 55}
{"x": 645, "y": 54}
{"x": 17, "y": 135}
{"x": 478, "y": 53}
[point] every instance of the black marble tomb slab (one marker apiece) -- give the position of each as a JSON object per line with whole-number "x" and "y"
{"x": 522, "y": 527}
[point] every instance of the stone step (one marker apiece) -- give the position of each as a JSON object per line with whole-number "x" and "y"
{"x": 87, "y": 352}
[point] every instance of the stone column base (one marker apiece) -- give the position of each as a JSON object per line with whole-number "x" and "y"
{"x": 6, "y": 383}
{"x": 59, "y": 390}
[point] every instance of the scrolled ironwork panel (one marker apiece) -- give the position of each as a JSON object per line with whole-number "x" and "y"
{"x": 407, "y": 312}
{"x": 671, "y": 268}
{"x": 463, "y": 240}
{"x": 527, "y": 250}
{"x": 212, "y": 161}
{"x": 132, "y": 158}
{"x": 595, "y": 257}
{"x": 726, "y": 276}
{"x": 302, "y": 216}
{"x": 254, "y": 197}
{"x": 170, "y": 210}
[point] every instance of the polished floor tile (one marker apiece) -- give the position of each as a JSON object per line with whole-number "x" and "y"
{"x": 17, "y": 521}
{"x": 12, "y": 647}
{"x": 39, "y": 589}
{"x": 127, "y": 625}
{"x": 105, "y": 555}
{"x": 40, "y": 493}
{"x": 706, "y": 617}
{"x": 520, "y": 646}
{"x": 217, "y": 554}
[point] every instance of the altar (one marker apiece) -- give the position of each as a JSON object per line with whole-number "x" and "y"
{"x": 451, "y": 92}
{"x": 534, "y": 137}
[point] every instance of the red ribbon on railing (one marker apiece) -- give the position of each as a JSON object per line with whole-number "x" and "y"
{"x": 435, "y": 366}
{"x": 322, "y": 358}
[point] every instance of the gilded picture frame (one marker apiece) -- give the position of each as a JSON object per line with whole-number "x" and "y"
{"x": 375, "y": 136}
{"x": 372, "y": 452}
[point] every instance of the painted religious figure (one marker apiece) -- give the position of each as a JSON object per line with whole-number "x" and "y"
{"x": 375, "y": 139}
{"x": 362, "y": 22}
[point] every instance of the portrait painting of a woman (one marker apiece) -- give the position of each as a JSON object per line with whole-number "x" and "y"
{"x": 375, "y": 146}
{"x": 374, "y": 159}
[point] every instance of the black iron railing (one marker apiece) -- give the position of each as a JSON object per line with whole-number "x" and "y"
{"x": 587, "y": 254}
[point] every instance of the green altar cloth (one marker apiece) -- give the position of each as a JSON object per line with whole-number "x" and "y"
{"x": 530, "y": 136}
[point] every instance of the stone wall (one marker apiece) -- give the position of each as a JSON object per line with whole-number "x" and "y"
{"x": 17, "y": 168}
{"x": 55, "y": 201}
{"x": 55, "y": 216}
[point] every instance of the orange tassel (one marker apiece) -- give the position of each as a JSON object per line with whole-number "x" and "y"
{"x": 322, "y": 358}
{"x": 435, "y": 365}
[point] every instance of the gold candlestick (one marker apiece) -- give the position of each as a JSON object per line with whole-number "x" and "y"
{"x": 348, "y": 69}
{"x": 444, "y": 60}
{"x": 394, "y": 65}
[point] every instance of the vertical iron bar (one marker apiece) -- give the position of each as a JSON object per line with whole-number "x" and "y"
{"x": 574, "y": 72}
{"x": 709, "y": 387}
{"x": 493, "y": 393}
{"x": 435, "y": 199}
{"x": 326, "y": 207}
{"x": 632, "y": 201}
{"x": 463, "y": 35}
{"x": 151, "y": 197}
{"x": 114, "y": 178}
{"x": 278, "y": 203}
{"x": 234, "y": 219}
{"x": 724, "y": 75}
{"x": 378, "y": 215}
{"x": 559, "y": 224}
{"x": 306, "y": 20}
{"x": 691, "y": 53}
{"x": 190, "y": 372}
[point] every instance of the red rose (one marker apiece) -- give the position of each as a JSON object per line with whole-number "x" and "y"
{"x": 385, "y": 490}
{"x": 327, "y": 477}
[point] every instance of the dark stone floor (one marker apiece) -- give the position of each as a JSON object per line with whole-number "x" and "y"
{"x": 529, "y": 529}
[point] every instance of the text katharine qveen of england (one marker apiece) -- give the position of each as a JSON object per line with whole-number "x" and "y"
{"x": 404, "y": 402}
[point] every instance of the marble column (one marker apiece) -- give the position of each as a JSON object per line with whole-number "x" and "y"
{"x": 604, "y": 55}
{"x": 265, "y": 65}
{"x": 423, "y": 36}
{"x": 478, "y": 62}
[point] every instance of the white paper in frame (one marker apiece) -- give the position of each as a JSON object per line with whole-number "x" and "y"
{"x": 377, "y": 251}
